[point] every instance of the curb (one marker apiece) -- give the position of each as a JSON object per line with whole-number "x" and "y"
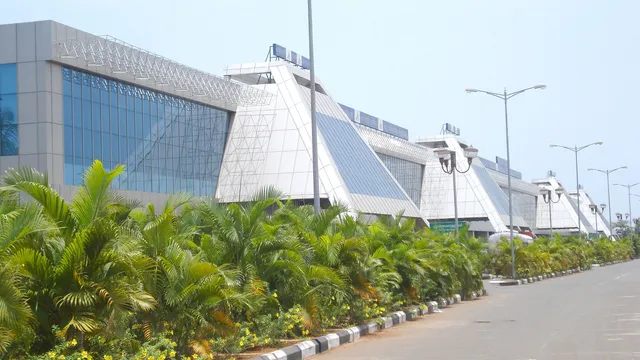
{"x": 512, "y": 282}
{"x": 327, "y": 342}
{"x": 533, "y": 279}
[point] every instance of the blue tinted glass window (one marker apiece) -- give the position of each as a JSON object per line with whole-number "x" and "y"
{"x": 77, "y": 113}
{"x": 87, "y": 146}
{"x": 87, "y": 115}
{"x": 8, "y": 110}
{"x": 68, "y": 110}
{"x": 407, "y": 173}
{"x": 68, "y": 141}
{"x": 106, "y": 148}
{"x": 8, "y": 79}
{"x": 9, "y": 107}
{"x": 68, "y": 169}
{"x": 165, "y": 143}
{"x": 361, "y": 170}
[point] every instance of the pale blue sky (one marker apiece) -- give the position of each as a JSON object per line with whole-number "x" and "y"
{"x": 409, "y": 61}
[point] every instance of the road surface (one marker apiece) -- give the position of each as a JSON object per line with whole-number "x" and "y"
{"x": 590, "y": 315}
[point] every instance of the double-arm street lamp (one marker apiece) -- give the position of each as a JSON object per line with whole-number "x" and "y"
{"x": 628, "y": 186}
{"x": 607, "y": 172}
{"x": 505, "y": 96}
{"x": 596, "y": 212}
{"x": 546, "y": 196}
{"x": 449, "y": 165}
{"x": 576, "y": 149}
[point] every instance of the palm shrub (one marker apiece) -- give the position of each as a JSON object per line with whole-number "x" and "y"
{"x": 82, "y": 273}
{"x": 104, "y": 275}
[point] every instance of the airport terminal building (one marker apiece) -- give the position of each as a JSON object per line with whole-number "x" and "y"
{"x": 68, "y": 97}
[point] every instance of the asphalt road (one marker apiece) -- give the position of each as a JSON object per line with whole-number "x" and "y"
{"x": 590, "y": 315}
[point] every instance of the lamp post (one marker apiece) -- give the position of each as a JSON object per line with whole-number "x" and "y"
{"x": 628, "y": 186}
{"x": 314, "y": 127}
{"x": 596, "y": 212}
{"x": 546, "y": 196}
{"x": 505, "y": 97}
{"x": 607, "y": 171}
{"x": 449, "y": 165}
{"x": 576, "y": 149}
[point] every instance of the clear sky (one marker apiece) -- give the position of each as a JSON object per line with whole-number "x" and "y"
{"x": 409, "y": 61}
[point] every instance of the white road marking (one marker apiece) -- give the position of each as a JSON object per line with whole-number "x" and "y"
{"x": 616, "y": 278}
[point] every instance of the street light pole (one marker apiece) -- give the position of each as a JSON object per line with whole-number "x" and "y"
{"x": 505, "y": 97}
{"x": 445, "y": 156}
{"x": 594, "y": 210}
{"x": 629, "y": 186}
{"x": 576, "y": 149}
{"x": 607, "y": 172}
{"x": 547, "y": 193}
{"x": 314, "y": 127}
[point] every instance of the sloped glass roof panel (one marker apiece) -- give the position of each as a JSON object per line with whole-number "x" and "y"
{"x": 359, "y": 167}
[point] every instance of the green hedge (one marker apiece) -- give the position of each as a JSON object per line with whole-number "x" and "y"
{"x": 546, "y": 255}
{"x": 102, "y": 277}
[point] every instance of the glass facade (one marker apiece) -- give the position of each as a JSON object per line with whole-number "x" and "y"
{"x": 167, "y": 144}
{"x": 497, "y": 196}
{"x": 407, "y": 173}
{"x": 525, "y": 204}
{"x": 360, "y": 169}
{"x": 8, "y": 110}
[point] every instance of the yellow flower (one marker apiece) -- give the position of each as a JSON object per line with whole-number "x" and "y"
{"x": 74, "y": 342}
{"x": 107, "y": 357}
{"x": 275, "y": 295}
{"x": 172, "y": 353}
{"x": 61, "y": 357}
{"x": 237, "y": 324}
{"x": 211, "y": 341}
{"x": 241, "y": 343}
{"x": 247, "y": 332}
{"x": 151, "y": 358}
{"x": 51, "y": 354}
{"x": 173, "y": 343}
{"x": 277, "y": 315}
{"x": 84, "y": 354}
{"x": 210, "y": 356}
{"x": 160, "y": 357}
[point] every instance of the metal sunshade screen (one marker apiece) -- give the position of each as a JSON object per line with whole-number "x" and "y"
{"x": 497, "y": 196}
{"x": 360, "y": 168}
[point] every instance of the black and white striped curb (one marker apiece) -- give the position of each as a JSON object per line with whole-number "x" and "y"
{"x": 530, "y": 280}
{"x": 327, "y": 342}
{"x": 610, "y": 263}
{"x": 512, "y": 282}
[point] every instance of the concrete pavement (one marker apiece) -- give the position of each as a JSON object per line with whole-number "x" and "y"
{"x": 589, "y": 315}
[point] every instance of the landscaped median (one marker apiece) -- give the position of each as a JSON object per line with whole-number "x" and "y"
{"x": 330, "y": 341}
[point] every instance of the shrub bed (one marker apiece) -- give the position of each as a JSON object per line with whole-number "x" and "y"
{"x": 101, "y": 277}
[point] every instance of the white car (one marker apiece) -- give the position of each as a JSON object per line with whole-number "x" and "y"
{"x": 493, "y": 239}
